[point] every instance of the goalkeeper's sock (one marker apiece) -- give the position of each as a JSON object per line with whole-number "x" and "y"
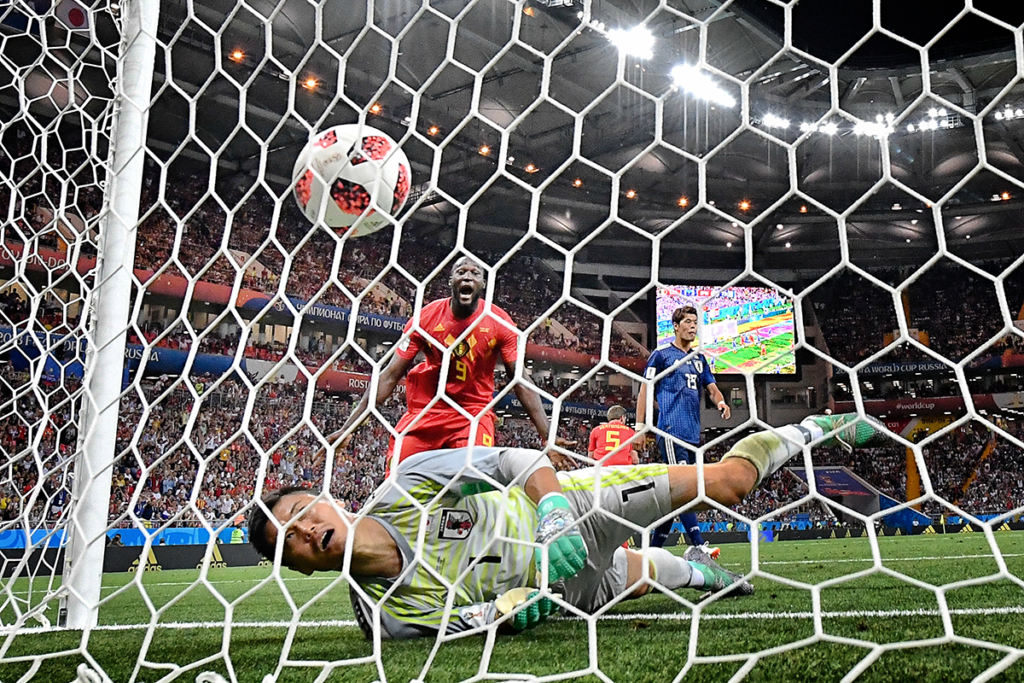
{"x": 847, "y": 430}
{"x": 692, "y": 526}
{"x": 768, "y": 451}
{"x": 674, "y": 572}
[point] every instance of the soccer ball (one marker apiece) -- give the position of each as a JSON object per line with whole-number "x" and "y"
{"x": 351, "y": 172}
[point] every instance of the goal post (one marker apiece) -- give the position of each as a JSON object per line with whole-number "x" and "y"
{"x": 109, "y": 305}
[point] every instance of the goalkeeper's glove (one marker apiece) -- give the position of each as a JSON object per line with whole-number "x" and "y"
{"x": 566, "y": 553}
{"x": 529, "y": 616}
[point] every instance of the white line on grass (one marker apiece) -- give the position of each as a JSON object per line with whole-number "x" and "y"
{"x": 728, "y": 564}
{"x": 889, "y": 559}
{"x": 682, "y": 616}
{"x": 851, "y": 614}
{"x": 154, "y": 584}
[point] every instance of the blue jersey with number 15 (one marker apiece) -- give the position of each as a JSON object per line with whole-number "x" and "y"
{"x": 679, "y": 392}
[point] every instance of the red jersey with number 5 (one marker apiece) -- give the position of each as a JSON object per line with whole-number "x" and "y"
{"x": 611, "y": 437}
{"x": 470, "y": 381}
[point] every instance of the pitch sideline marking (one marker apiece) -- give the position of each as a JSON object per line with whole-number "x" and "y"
{"x": 683, "y": 616}
{"x": 890, "y": 559}
{"x": 724, "y": 564}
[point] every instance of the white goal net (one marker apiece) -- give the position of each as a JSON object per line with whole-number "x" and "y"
{"x": 838, "y": 192}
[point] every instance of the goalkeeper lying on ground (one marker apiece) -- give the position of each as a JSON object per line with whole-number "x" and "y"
{"x": 490, "y": 545}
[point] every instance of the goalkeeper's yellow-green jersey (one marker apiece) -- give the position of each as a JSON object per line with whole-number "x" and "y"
{"x": 462, "y": 529}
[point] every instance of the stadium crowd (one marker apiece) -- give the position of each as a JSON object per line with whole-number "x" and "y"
{"x": 956, "y": 309}
{"x": 168, "y": 441}
{"x": 252, "y": 245}
{"x": 161, "y": 475}
{"x": 998, "y": 484}
{"x": 314, "y": 354}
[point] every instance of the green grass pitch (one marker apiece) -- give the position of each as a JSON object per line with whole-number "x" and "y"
{"x": 644, "y": 640}
{"x": 749, "y": 357}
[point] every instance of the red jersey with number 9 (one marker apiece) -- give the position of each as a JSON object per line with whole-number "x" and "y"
{"x": 470, "y": 381}
{"x": 611, "y": 437}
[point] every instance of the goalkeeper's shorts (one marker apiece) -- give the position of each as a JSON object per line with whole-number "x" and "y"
{"x": 639, "y": 494}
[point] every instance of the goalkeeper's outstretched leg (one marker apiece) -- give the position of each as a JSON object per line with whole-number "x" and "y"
{"x": 752, "y": 460}
{"x": 756, "y": 457}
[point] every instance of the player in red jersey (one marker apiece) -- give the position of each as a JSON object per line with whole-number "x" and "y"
{"x": 470, "y": 380}
{"x": 609, "y": 442}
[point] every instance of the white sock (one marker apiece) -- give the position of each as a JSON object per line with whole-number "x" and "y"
{"x": 673, "y": 572}
{"x": 696, "y": 577}
{"x": 812, "y": 426}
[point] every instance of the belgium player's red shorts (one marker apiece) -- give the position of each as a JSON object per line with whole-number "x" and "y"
{"x": 439, "y": 429}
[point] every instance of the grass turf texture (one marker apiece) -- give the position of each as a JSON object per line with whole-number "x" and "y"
{"x": 645, "y": 640}
{"x": 749, "y": 357}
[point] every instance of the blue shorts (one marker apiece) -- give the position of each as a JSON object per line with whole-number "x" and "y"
{"x": 674, "y": 452}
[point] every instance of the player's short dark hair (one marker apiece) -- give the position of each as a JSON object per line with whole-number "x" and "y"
{"x": 467, "y": 257}
{"x": 616, "y": 412}
{"x": 682, "y": 312}
{"x": 258, "y": 519}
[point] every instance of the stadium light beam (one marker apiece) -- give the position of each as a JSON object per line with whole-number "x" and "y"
{"x": 637, "y": 41}
{"x": 773, "y": 121}
{"x": 882, "y": 127}
{"x": 692, "y": 80}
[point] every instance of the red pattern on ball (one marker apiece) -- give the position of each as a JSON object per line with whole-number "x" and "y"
{"x": 374, "y": 147}
{"x": 327, "y": 139}
{"x": 304, "y": 187}
{"x": 351, "y": 198}
{"x": 401, "y": 189}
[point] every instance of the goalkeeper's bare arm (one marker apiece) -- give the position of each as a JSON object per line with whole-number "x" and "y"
{"x": 550, "y": 544}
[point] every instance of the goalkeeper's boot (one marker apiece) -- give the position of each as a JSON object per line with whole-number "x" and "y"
{"x": 848, "y": 430}
{"x": 716, "y": 577}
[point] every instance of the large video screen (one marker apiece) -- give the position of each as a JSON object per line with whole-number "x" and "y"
{"x": 739, "y": 329}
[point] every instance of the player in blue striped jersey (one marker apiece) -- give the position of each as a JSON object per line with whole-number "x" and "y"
{"x": 681, "y": 377}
